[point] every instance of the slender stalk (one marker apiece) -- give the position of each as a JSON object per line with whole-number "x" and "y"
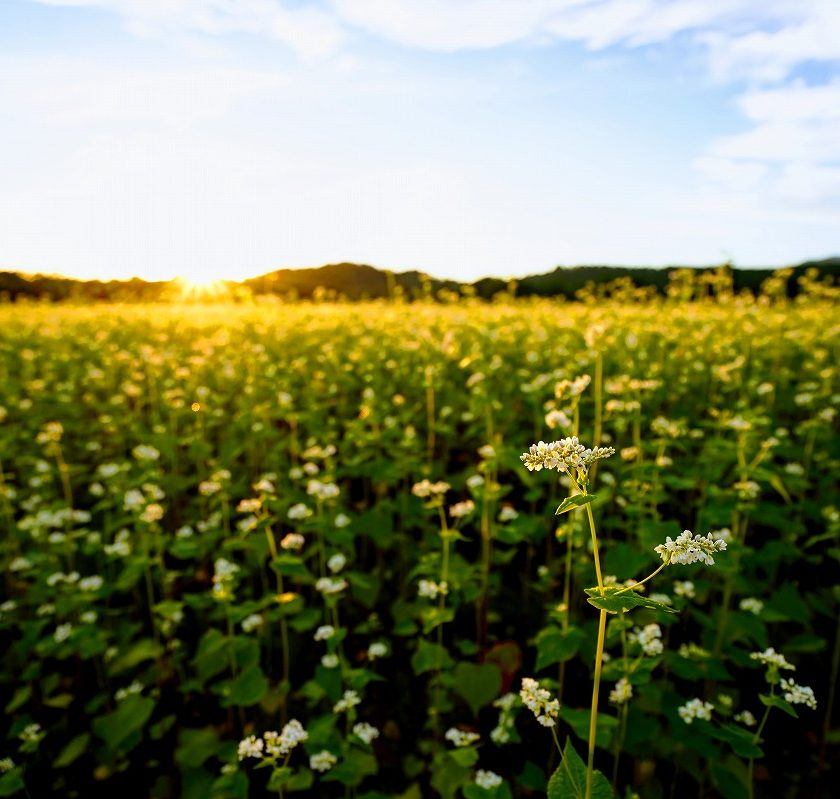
{"x": 641, "y": 582}
{"x": 756, "y": 739}
{"x": 599, "y": 655}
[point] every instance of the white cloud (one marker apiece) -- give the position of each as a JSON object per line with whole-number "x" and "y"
{"x": 796, "y": 131}
{"x": 305, "y": 29}
{"x": 77, "y": 92}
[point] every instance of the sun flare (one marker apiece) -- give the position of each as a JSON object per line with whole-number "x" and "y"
{"x": 198, "y": 289}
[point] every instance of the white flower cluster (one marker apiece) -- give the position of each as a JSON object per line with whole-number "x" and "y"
{"x": 322, "y": 491}
{"x": 324, "y": 632}
{"x": 322, "y": 761}
{"x": 751, "y": 605}
{"x": 461, "y": 509}
{"x": 273, "y": 744}
{"x": 349, "y": 700}
{"x": 684, "y": 588}
{"x": 689, "y": 548}
{"x": 648, "y": 638}
{"x": 770, "y": 657}
{"x": 293, "y": 542}
{"x": 799, "y": 694}
{"x": 280, "y": 744}
{"x": 500, "y": 734}
{"x": 425, "y": 489}
{"x": 487, "y": 779}
{"x": 337, "y": 562}
{"x": 430, "y": 590}
{"x": 746, "y": 718}
{"x": 365, "y": 732}
{"x": 377, "y": 650}
{"x": 695, "y": 709}
{"x": 622, "y": 692}
{"x": 568, "y": 453}
{"x": 224, "y": 574}
{"x": 460, "y": 738}
{"x": 539, "y": 702}
{"x": 330, "y": 585}
{"x": 568, "y": 389}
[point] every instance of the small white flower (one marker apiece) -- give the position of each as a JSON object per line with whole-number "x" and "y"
{"x": 695, "y": 709}
{"x": 648, "y": 638}
{"x": 798, "y": 694}
{"x": 461, "y": 509}
{"x": 337, "y": 562}
{"x": 366, "y": 732}
{"x": 751, "y": 605}
{"x": 377, "y": 650}
{"x": 330, "y": 585}
{"x": 349, "y": 700}
{"x": 252, "y": 622}
{"x": 330, "y": 660}
{"x": 250, "y": 747}
{"x": 460, "y": 738}
{"x": 62, "y": 632}
{"x": 745, "y": 717}
{"x": 487, "y": 779}
{"x": 622, "y": 692}
{"x": 322, "y": 761}
{"x": 6, "y": 765}
{"x": 770, "y": 657}
{"x": 299, "y": 511}
{"x": 539, "y": 702}
{"x": 145, "y": 452}
{"x": 684, "y": 588}
{"x": 689, "y": 548}
{"x": 430, "y": 590}
{"x": 324, "y": 632}
{"x": 292, "y": 542}
{"x": 291, "y": 735}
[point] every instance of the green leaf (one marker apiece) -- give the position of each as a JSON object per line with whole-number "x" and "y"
{"x": 21, "y": 697}
{"x": 466, "y": 756}
{"x": 146, "y": 649}
{"x": 72, "y": 751}
{"x": 195, "y": 746}
{"x": 11, "y": 783}
{"x": 556, "y": 646}
{"x": 432, "y": 617}
{"x": 569, "y": 780}
{"x": 577, "y": 501}
{"x": 130, "y": 716}
{"x": 615, "y": 600}
{"x": 249, "y": 687}
{"x": 739, "y": 739}
{"x": 777, "y": 701}
{"x": 290, "y": 566}
{"x": 353, "y": 769}
{"x": 477, "y": 683}
{"x": 578, "y": 720}
{"x": 429, "y": 657}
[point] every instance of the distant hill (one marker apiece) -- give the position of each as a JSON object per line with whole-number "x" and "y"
{"x": 359, "y": 281}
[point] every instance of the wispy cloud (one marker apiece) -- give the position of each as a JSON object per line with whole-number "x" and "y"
{"x": 306, "y": 29}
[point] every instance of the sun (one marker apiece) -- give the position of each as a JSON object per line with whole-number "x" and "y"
{"x": 198, "y": 289}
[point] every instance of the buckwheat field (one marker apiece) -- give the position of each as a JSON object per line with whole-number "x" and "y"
{"x": 394, "y": 549}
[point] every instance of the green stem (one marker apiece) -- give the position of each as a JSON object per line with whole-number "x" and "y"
{"x": 641, "y": 582}
{"x": 756, "y": 739}
{"x": 599, "y": 654}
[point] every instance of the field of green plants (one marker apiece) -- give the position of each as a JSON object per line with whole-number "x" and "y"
{"x": 318, "y": 549}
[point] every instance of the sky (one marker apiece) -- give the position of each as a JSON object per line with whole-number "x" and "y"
{"x": 464, "y": 138}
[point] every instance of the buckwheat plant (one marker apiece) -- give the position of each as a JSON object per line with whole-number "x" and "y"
{"x": 791, "y": 694}
{"x": 572, "y": 459}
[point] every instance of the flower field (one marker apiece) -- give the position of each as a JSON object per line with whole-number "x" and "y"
{"x": 399, "y": 550}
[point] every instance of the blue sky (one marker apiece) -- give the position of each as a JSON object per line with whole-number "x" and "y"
{"x": 226, "y": 138}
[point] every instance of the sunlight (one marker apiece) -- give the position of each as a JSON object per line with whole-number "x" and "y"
{"x": 197, "y": 289}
